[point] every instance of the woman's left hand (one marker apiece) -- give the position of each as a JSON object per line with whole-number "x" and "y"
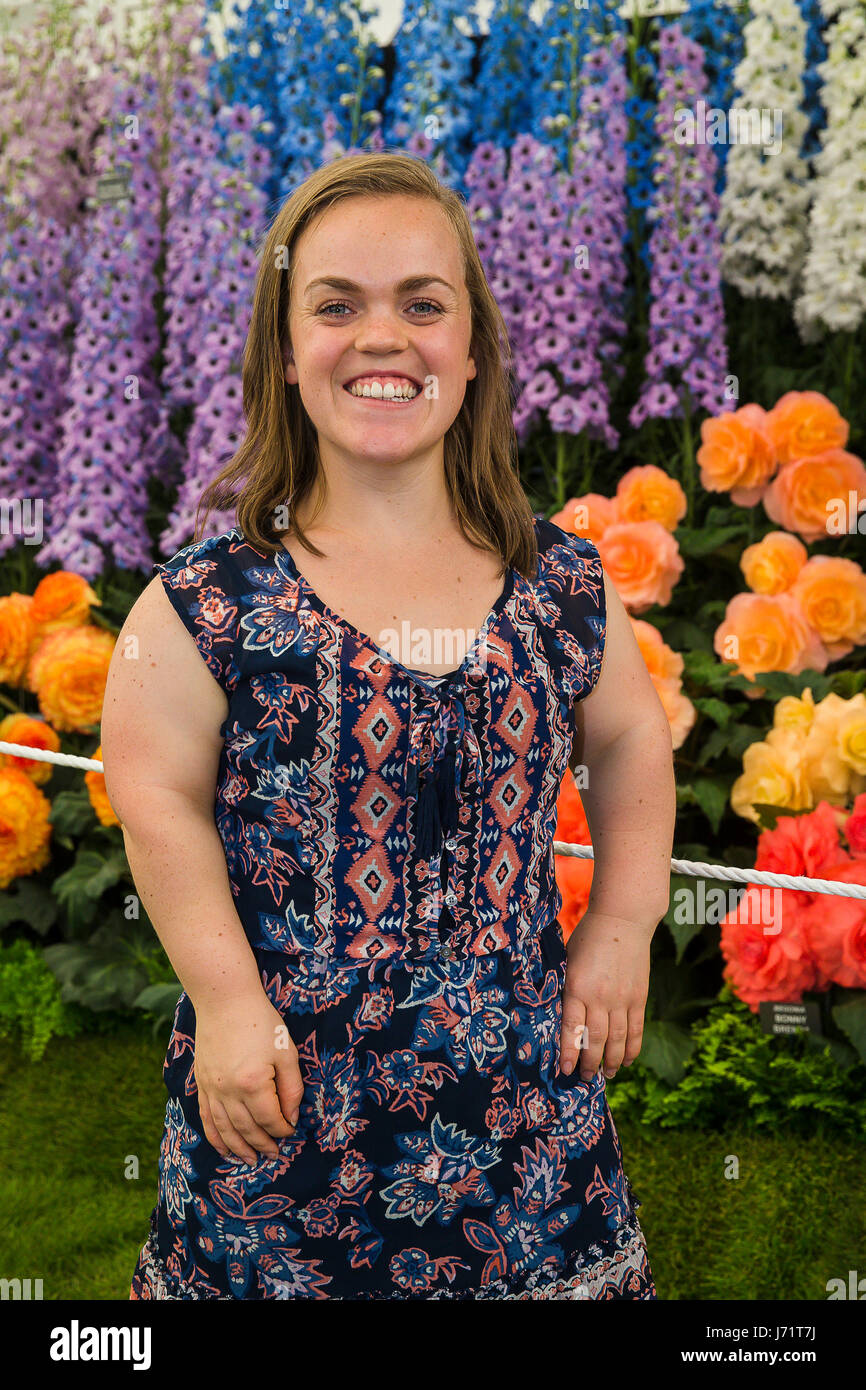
{"x": 605, "y": 993}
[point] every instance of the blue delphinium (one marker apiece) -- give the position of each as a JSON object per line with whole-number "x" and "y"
{"x": 331, "y": 68}
{"x": 717, "y": 25}
{"x": 503, "y": 105}
{"x": 569, "y": 32}
{"x": 431, "y": 96}
{"x": 816, "y": 52}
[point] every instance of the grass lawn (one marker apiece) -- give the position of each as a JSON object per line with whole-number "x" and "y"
{"x": 73, "y": 1124}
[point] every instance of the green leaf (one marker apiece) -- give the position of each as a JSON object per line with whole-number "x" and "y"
{"x": 851, "y": 1018}
{"x": 705, "y": 668}
{"x": 160, "y": 1000}
{"x": 88, "y": 878}
{"x": 682, "y": 932}
{"x": 682, "y": 635}
{"x": 705, "y": 540}
{"x": 711, "y": 794}
{"x": 71, "y": 813}
{"x": 107, "y": 972}
{"x": 30, "y": 901}
{"x": 769, "y": 815}
{"x": 779, "y": 683}
{"x": 717, "y": 710}
{"x": 665, "y": 1049}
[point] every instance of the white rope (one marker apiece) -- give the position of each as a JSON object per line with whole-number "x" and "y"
{"x": 679, "y": 866}
{"x": 701, "y": 870}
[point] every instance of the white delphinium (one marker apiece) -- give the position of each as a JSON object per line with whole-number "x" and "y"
{"x": 765, "y": 200}
{"x": 834, "y": 277}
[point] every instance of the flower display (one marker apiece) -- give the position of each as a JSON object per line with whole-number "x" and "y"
{"x": 633, "y": 534}
{"x": 813, "y": 752}
{"x": 833, "y": 284}
{"x": 809, "y": 941}
{"x": 762, "y": 217}
{"x": 791, "y": 459}
{"x": 25, "y": 826}
{"x": 687, "y": 358}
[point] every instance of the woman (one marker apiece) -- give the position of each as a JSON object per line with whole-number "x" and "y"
{"x": 343, "y": 837}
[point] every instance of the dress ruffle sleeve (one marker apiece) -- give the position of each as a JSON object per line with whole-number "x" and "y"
{"x": 572, "y": 575}
{"x": 200, "y": 583}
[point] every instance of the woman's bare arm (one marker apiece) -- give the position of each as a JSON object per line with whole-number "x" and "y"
{"x": 161, "y": 745}
{"x": 623, "y": 739}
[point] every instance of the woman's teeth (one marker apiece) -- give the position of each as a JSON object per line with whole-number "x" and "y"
{"x": 387, "y": 391}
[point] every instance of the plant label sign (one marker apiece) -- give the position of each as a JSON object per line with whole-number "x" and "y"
{"x": 789, "y": 1018}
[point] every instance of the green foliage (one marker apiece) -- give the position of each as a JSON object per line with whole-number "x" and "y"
{"x": 112, "y": 968}
{"x": 31, "y": 1008}
{"x": 736, "y": 1069}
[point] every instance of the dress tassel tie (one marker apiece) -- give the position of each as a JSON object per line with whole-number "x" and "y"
{"x": 445, "y": 766}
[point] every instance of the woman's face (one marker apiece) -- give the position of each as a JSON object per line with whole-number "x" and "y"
{"x": 374, "y": 324}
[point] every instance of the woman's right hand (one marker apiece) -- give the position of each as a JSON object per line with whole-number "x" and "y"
{"x": 248, "y": 1078}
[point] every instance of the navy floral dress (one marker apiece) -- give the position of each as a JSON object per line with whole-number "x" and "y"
{"x": 388, "y": 837}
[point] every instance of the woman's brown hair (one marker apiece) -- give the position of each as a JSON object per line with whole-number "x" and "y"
{"x": 277, "y": 463}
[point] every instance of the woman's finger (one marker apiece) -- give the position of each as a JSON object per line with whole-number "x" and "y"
{"x": 596, "y": 1024}
{"x": 208, "y": 1126}
{"x": 236, "y": 1144}
{"x": 617, "y": 1033}
{"x": 572, "y": 1030}
{"x": 635, "y": 1033}
{"x": 239, "y": 1115}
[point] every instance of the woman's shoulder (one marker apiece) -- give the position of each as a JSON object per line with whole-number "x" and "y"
{"x": 564, "y": 557}
{"x": 204, "y": 553}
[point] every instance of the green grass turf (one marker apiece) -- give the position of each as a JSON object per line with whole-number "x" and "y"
{"x": 794, "y": 1218}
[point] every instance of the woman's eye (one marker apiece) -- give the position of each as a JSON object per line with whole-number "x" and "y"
{"x": 341, "y": 304}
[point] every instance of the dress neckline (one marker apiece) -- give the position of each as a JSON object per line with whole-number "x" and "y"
{"x": 285, "y": 558}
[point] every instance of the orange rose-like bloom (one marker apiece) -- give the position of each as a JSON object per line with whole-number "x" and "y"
{"x": 803, "y": 423}
{"x": 680, "y": 711}
{"x": 95, "y": 783}
{"x": 16, "y": 637}
{"x": 836, "y": 928}
{"x": 643, "y": 561}
{"x": 588, "y": 516}
{"x": 62, "y": 599}
{"x": 855, "y": 827}
{"x": 25, "y": 829}
{"x": 773, "y": 775}
{"x": 809, "y": 493}
{"x": 763, "y": 965}
{"x": 647, "y": 493}
{"x": 22, "y": 728}
{"x": 68, "y": 674}
{"x": 737, "y": 454}
{"x": 662, "y": 662}
{"x": 573, "y": 875}
{"x": 803, "y": 846}
{"x": 768, "y": 632}
{"x": 772, "y": 564}
{"x": 832, "y": 594}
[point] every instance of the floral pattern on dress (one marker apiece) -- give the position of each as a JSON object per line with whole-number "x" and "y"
{"x": 388, "y": 841}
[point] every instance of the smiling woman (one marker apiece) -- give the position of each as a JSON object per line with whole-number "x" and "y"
{"x": 370, "y": 1073}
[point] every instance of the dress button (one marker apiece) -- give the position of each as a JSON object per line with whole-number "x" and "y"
{"x": 446, "y": 952}
{"x": 450, "y": 844}
{"x": 450, "y": 897}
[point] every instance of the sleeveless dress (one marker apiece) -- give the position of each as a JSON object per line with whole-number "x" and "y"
{"x": 388, "y": 837}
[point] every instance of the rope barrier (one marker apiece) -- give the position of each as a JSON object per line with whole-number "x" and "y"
{"x": 693, "y": 867}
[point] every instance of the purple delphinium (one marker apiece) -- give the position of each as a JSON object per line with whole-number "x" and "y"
{"x": 217, "y": 266}
{"x": 114, "y": 434}
{"x": 39, "y": 263}
{"x": 552, "y": 246}
{"x": 687, "y": 357}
